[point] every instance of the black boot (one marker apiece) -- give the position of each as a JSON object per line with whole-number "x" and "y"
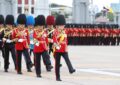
{"x": 58, "y": 79}
{"x": 48, "y": 69}
{"x": 19, "y": 72}
{"x": 39, "y": 76}
{"x": 72, "y": 71}
{"x": 29, "y": 70}
{"x": 6, "y": 70}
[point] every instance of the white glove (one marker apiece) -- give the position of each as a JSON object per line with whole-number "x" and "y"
{"x": 58, "y": 47}
{"x": 31, "y": 42}
{"x": 51, "y": 40}
{"x": 8, "y": 41}
{"x": 20, "y": 40}
{"x": 37, "y": 44}
{"x": 44, "y": 35}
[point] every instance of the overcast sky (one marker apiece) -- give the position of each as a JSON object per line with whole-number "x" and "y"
{"x": 100, "y": 3}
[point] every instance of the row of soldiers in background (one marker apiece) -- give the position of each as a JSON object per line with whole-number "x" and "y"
{"x": 35, "y": 37}
{"x": 93, "y": 34}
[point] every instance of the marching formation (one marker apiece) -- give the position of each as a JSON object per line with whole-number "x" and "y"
{"x": 93, "y": 34}
{"x": 31, "y": 35}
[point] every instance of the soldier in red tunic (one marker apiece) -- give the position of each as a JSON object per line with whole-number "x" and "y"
{"x": 22, "y": 45}
{"x": 41, "y": 45}
{"x": 60, "y": 46}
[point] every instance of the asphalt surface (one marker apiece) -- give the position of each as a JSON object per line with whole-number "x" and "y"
{"x": 94, "y": 66}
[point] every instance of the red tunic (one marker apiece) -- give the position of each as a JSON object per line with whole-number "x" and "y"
{"x": 63, "y": 44}
{"x": 43, "y": 41}
{"x": 25, "y": 36}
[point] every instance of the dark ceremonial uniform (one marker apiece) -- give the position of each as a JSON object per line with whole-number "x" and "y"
{"x": 2, "y": 34}
{"x": 9, "y": 46}
{"x": 1, "y": 43}
{"x": 50, "y": 44}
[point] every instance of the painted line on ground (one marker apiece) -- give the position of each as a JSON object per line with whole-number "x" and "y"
{"x": 98, "y": 71}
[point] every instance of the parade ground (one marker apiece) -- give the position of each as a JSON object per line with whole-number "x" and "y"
{"x": 95, "y": 65}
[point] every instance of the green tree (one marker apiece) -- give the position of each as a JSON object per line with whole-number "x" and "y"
{"x": 110, "y": 16}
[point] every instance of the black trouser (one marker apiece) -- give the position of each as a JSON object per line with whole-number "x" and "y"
{"x": 57, "y": 62}
{"x": 113, "y": 41}
{"x": 50, "y": 48}
{"x": 3, "y": 51}
{"x": 31, "y": 51}
{"x": 46, "y": 60}
{"x": 9, "y": 48}
{"x": 19, "y": 58}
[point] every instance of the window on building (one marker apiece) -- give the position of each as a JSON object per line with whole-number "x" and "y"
{"x": 19, "y": 10}
{"x": 32, "y": 10}
{"x": 33, "y": 1}
{"x": 19, "y": 1}
{"x": 26, "y": 1}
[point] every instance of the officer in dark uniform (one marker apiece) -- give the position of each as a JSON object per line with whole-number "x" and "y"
{"x": 9, "y": 43}
{"x": 2, "y": 35}
{"x": 60, "y": 46}
{"x": 50, "y": 21}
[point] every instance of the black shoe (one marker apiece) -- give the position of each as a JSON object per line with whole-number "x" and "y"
{"x": 29, "y": 70}
{"x": 31, "y": 65}
{"x": 51, "y": 67}
{"x": 6, "y": 70}
{"x": 48, "y": 68}
{"x": 72, "y": 71}
{"x": 19, "y": 73}
{"x": 60, "y": 65}
{"x": 58, "y": 79}
{"x": 39, "y": 76}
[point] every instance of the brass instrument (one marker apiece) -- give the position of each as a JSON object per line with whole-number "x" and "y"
{"x": 61, "y": 36}
{"x": 41, "y": 33}
{"x": 20, "y": 33}
{"x": 2, "y": 29}
{"x": 7, "y": 33}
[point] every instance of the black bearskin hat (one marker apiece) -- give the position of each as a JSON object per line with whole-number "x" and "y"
{"x": 9, "y": 20}
{"x": 21, "y": 19}
{"x": 60, "y": 20}
{"x": 40, "y": 20}
{"x": 1, "y": 19}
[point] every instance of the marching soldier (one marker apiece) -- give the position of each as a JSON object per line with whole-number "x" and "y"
{"x": 2, "y": 35}
{"x": 22, "y": 45}
{"x": 40, "y": 46}
{"x": 50, "y": 21}
{"x": 9, "y": 42}
{"x": 60, "y": 44}
{"x": 30, "y": 25}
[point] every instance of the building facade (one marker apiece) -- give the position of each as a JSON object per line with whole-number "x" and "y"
{"x": 29, "y": 7}
{"x": 81, "y": 11}
{"x": 116, "y": 9}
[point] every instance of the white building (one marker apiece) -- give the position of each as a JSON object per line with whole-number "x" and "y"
{"x": 81, "y": 11}
{"x": 33, "y": 7}
{"x": 116, "y": 9}
{"x": 62, "y": 9}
